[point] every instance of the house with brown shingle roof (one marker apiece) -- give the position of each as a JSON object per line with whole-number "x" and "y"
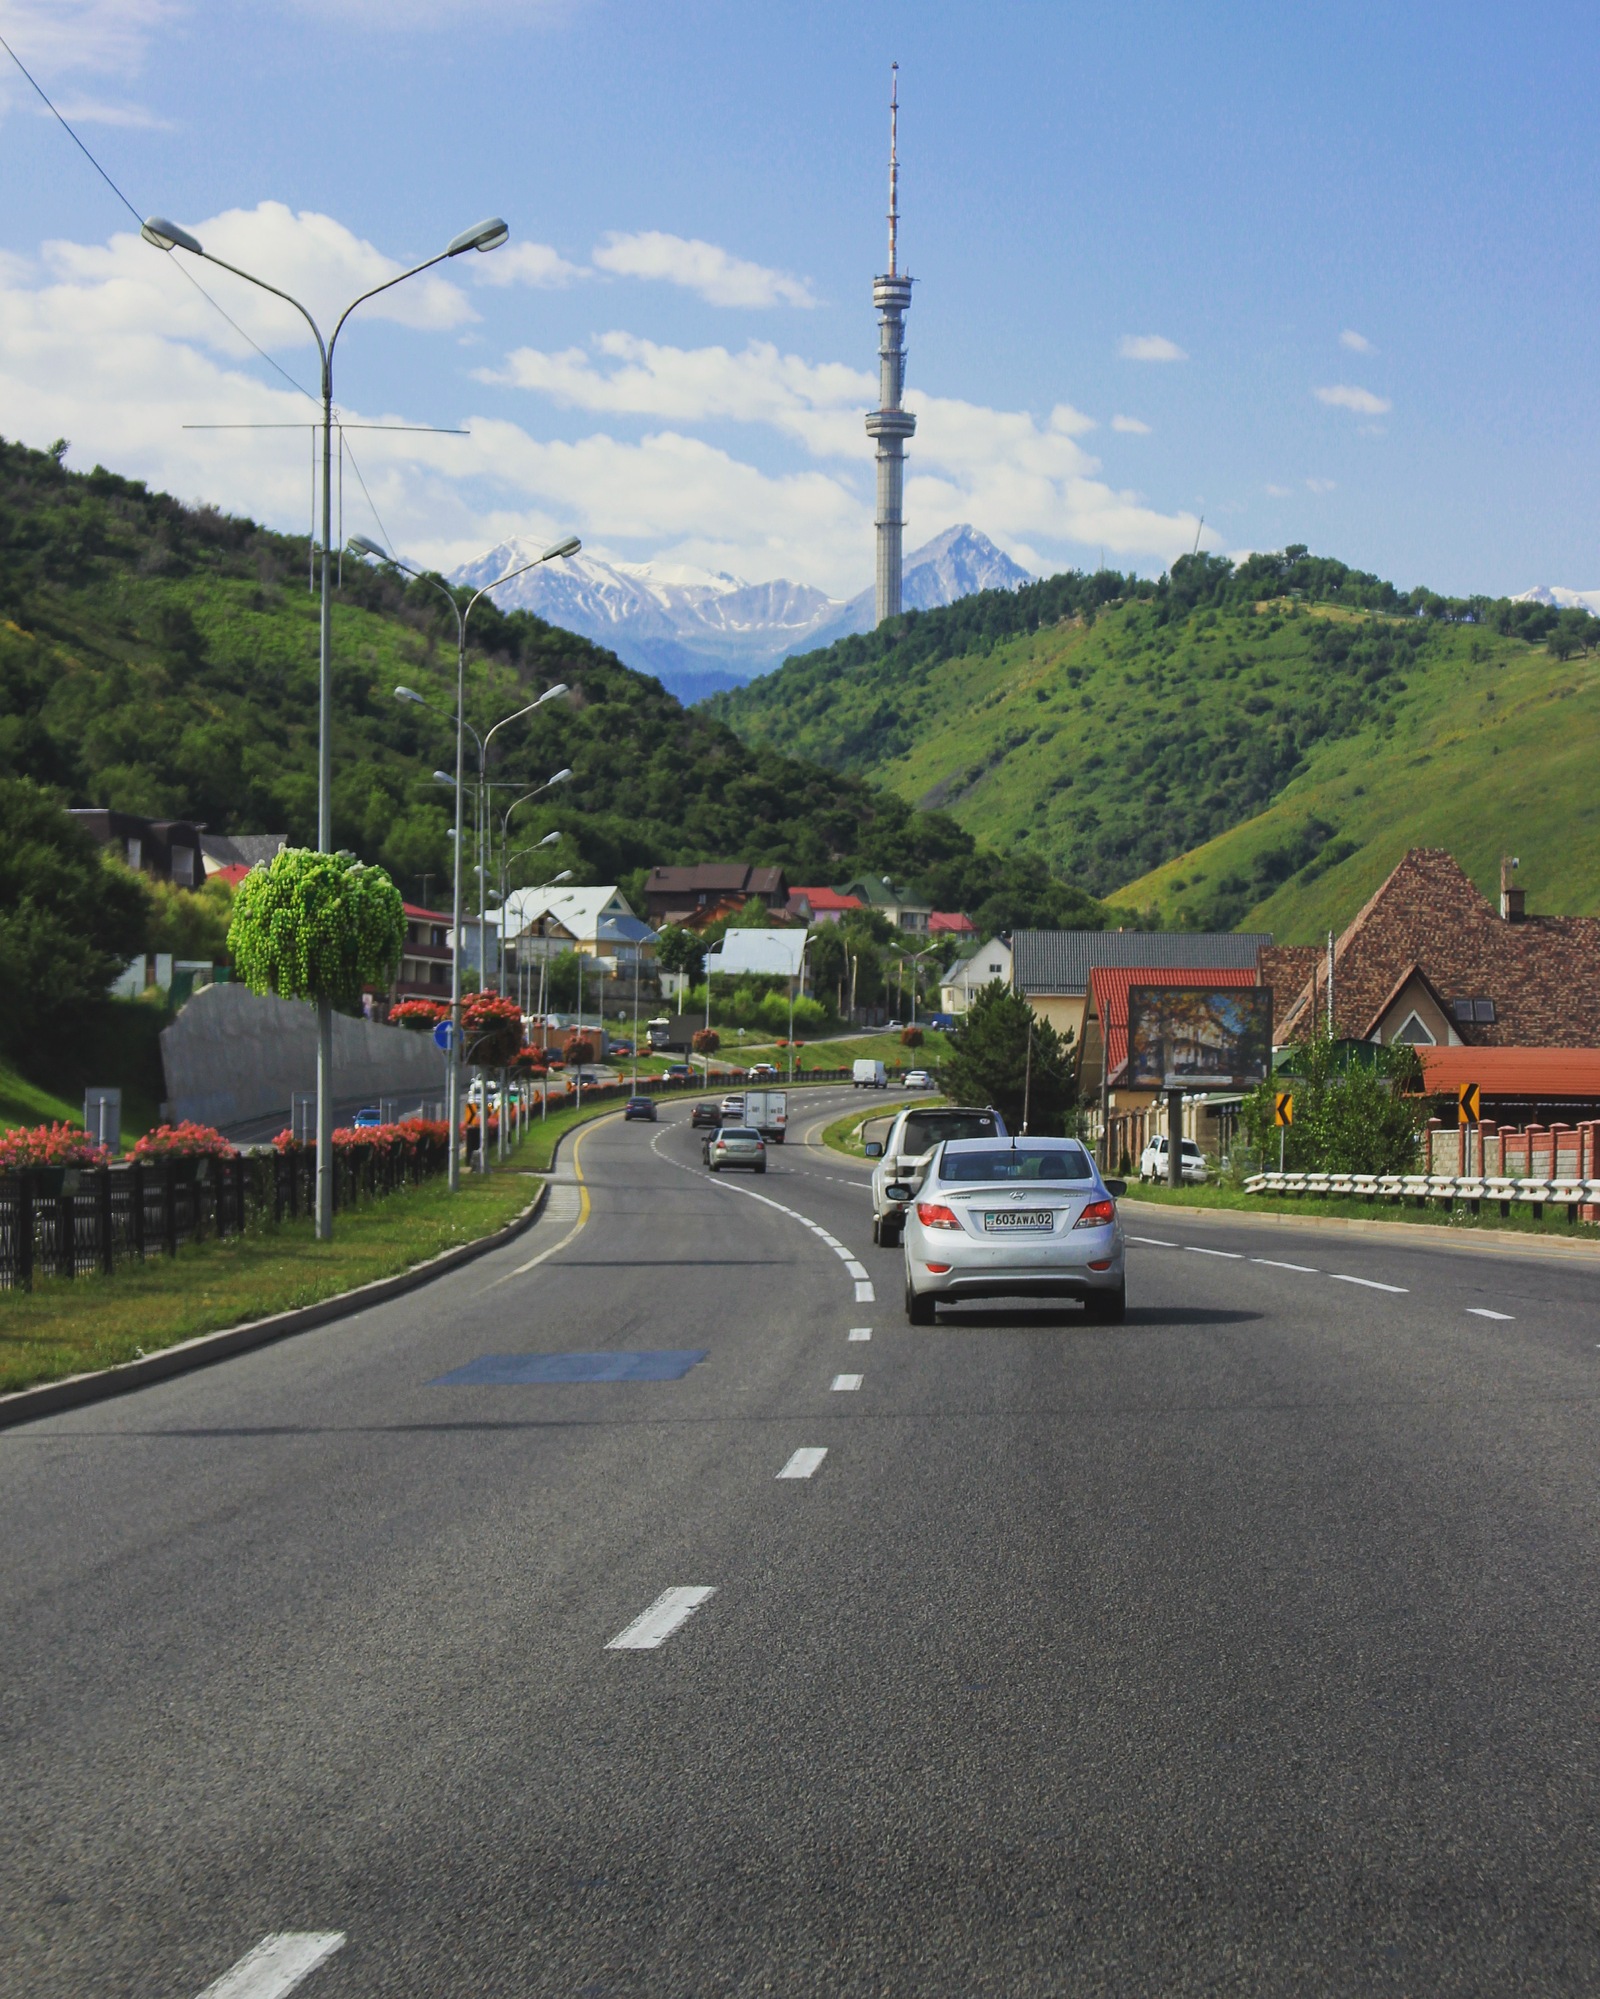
{"x": 1431, "y": 961}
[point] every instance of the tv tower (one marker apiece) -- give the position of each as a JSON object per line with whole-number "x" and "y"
{"x": 889, "y": 423}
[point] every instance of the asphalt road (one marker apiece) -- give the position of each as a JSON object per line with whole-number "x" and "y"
{"x": 1245, "y": 1648}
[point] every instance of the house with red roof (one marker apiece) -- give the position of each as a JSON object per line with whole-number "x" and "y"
{"x": 821, "y": 905}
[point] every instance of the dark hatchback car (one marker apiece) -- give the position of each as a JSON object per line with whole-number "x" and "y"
{"x": 706, "y": 1112}
{"x": 640, "y": 1107}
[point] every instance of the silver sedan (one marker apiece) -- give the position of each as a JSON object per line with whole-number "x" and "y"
{"x": 1024, "y": 1217}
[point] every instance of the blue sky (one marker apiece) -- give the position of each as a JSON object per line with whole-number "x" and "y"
{"x": 1368, "y": 232}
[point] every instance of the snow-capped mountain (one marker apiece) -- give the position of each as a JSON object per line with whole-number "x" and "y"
{"x": 1560, "y": 598}
{"x": 698, "y": 630}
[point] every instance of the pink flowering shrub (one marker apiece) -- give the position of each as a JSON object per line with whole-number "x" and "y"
{"x": 49, "y": 1145}
{"x": 182, "y": 1141}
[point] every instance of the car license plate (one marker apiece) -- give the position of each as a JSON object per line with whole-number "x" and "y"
{"x": 1002, "y": 1221}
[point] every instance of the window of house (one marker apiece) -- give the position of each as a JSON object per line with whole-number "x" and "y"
{"x": 1483, "y": 1009}
{"x": 183, "y": 866}
{"x": 438, "y": 934}
{"x": 1415, "y": 1032}
{"x": 437, "y": 973}
{"x": 1470, "y": 1010}
{"x": 135, "y": 851}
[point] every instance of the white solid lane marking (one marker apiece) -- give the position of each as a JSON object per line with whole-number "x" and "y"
{"x": 276, "y": 1965}
{"x": 1272, "y": 1263}
{"x": 804, "y": 1462}
{"x": 1233, "y": 1255}
{"x": 861, "y": 1332}
{"x": 839, "y": 1250}
{"x": 1369, "y": 1283}
{"x": 654, "y": 1626}
{"x": 856, "y": 1270}
{"x": 1483, "y": 1312}
{"x": 865, "y": 1295}
{"x": 1152, "y": 1241}
{"x": 848, "y": 1381}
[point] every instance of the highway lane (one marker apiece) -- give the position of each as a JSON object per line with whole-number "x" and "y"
{"x": 1241, "y": 1648}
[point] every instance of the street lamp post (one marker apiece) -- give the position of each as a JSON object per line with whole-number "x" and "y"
{"x": 167, "y": 236}
{"x": 804, "y": 948}
{"x": 362, "y": 546}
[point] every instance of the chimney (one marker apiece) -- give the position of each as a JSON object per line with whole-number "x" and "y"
{"x": 1512, "y": 900}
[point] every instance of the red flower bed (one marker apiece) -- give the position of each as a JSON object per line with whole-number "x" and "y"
{"x": 420, "y": 1015}
{"x": 49, "y": 1145}
{"x": 492, "y": 1026}
{"x": 409, "y": 1134}
{"x": 183, "y": 1141}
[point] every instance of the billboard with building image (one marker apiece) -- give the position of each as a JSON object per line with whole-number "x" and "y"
{"x": 1198, "y": 1037}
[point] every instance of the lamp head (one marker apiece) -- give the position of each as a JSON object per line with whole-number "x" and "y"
{"x": 165, "y": 235}
{"x": 552, "y": 693}
{"x": 409, "y": 694}
{"x": 568, "y": 547}
{"x": 560, "y": 777}
{"x": 359, "y": 544}
{"x": 564, "y": 876}
{"x": 444, "y": 777}
{"x": 550, "y": 840}
{"x": 487, "y": 235}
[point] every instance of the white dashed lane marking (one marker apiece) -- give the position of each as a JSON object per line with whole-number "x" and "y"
{"x": 1483, "y": 1312}
{"x": 804, "y": 1462}
{"x": 1233, "y": 1255}
{"x": 1369, "y": 1283}
{"x": 276, "y": 1965}
{"x": 861, "y": 1332}
{"x": 1272, "y": 1263}
{"x": 654, "y": 1626}
{"x": 865, "y": 1295}
{"x": 845, "y": 1382}
{"x": 1152, "y": 1242}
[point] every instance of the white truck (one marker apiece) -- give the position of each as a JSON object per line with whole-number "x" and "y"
{"x": 767, "y": 1111}
{"x": 869, "y": 1076}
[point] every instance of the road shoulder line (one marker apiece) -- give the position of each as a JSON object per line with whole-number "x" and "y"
{"x": 1421, "y": 1235}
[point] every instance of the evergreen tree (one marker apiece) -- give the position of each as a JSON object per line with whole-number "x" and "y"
{"x": 1003, "y": 1054}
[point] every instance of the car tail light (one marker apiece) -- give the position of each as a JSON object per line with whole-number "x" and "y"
{"x": 935, "y": 1215}
{"x": 1096, "y": 1215}
{"x": 936, "y": 1269}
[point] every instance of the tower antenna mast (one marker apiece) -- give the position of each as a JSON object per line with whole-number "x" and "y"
{"x": 894, "y": 165}
{"x": 891, "y": 423}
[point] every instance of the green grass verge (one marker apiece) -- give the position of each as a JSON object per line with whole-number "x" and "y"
{"x": 1234, "y": 1200}
{"x": 63, "y": 1327}
{"x": 25, "y": 1103}
{"x": 844, "y": 1134}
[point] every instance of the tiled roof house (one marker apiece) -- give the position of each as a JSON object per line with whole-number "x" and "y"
{"x": 1430, "y": 960}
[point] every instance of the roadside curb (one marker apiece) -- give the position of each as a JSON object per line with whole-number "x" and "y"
{"x": 22, "y": 1405}
{"x": 1425, "y": 1235}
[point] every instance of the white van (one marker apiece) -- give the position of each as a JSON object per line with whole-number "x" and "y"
{"x": 869, "y": 1076}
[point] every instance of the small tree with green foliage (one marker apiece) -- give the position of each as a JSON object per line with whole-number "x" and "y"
{"x": 1355, "y": 1111}
{"x": 679, "y": 950}
{"x": 316, "y": 927}
{"x": 994, "y": 1059}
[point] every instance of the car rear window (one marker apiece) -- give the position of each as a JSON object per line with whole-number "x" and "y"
{"x": 924, "y": 1129}
{"x": 1021, "y": 1162}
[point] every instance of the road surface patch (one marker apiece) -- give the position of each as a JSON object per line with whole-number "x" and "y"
{"x": 520, "y": 1370}
{"x": 276, "y": 1965}
{"x": 845, "y": 1382}
{"x": 656, "y": 1625}
{"x": 804, "y": 1462}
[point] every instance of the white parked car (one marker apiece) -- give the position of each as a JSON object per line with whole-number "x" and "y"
{"x": 1027, "y": 1218}
{"x": 1153, "y": 1162}
{"x": 903, "y": 1153}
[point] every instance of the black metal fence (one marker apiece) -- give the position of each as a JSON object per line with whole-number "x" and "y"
{"x": 76, "y": 1222}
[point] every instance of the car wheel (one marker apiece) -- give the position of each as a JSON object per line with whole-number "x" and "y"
{"x": 890, "y": 1232}
{"x": 762, "y": 1167}
{"x": 1107, "y": 1308}
{"x": 919, "y": 1310}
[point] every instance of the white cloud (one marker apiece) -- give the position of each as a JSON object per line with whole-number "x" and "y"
{"x": 1149, "y": 347}
{"x": 1358, "y": 343}
{"x": 715, "y": 274}
{"x": 526, "y": 264}
{"x": 1321, "y": 485}
{"x": 93, "y": 111}
{"x": 1344, "y": 396}
{"x": 1130, "y": 426}
{"x": 1279, "y": 492}
{"x": 107, "y": 36}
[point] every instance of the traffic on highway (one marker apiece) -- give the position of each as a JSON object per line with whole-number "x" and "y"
{"x": 919, "y": 1569}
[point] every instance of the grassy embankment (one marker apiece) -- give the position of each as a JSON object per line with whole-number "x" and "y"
{"x": 66, "y": 1327}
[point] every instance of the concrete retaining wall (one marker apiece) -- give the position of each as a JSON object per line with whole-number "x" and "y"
{"x": 233, "y": 1055}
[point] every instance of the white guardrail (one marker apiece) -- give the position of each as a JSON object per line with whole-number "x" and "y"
{"x": 1427, "y": 1186}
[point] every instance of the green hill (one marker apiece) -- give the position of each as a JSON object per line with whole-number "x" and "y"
{"x": 162, "y": 659}
{"x": 1224, "y": 744}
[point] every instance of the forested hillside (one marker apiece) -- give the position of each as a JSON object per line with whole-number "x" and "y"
{"x": 1111, "y": 725}
{"x": 162, "y": 659}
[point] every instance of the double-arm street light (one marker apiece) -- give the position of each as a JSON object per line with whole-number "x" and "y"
{"x": 360, "y": 545}
{"x": 165, "y": 235}
{"x": 913, "y": 958}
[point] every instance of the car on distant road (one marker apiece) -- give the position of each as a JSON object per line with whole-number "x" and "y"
{"x": 679, "y": 1072}
{"x": 368, "y": 1116}
{"x": 1030, "y": 1218}
{"x": 904, "y": 1151}
{"x": 894, "y": 1027}
{"x": 1191, "y": 1162}
{"x": 639, "y": 1107}
{"x": 736, "y": 1145}
{"x": 732, "y": 1109}
{"x": 620, "y": 1048}
{"x": 918, "y": 1079}
{"x": 762, "y": 1072}
{"x": 706, "y": 1112}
